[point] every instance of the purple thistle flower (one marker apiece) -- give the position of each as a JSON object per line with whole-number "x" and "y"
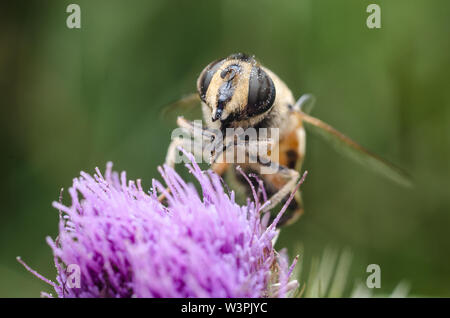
{"x": 125, "y": 243}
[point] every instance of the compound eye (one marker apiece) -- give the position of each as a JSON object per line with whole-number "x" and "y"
{"x": 206, "y": 76}
{"x": 261, "y": 92}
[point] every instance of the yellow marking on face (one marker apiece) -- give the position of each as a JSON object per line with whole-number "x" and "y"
{"x": 240, "y": 82}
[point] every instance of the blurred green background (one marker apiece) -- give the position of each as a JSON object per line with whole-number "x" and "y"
{"x": 75, "y": 99}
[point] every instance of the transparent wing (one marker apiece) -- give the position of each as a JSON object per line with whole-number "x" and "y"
{"x": 188, "y": 106}
{"x": 348, "y": 147}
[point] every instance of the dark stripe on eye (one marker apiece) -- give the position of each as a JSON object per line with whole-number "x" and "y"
{"x": 206, "y": 77}
{"x": 261, "y": 92}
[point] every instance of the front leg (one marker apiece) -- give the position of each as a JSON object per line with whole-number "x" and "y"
{"x": 191, "y": 135}
{"x": 191, "y": 131}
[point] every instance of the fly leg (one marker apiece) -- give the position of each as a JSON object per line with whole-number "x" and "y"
{"x": 192, "y": 132}
{"x": 275, "y": 180}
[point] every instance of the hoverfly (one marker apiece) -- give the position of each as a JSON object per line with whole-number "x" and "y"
{"x": 237, "y": 91}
